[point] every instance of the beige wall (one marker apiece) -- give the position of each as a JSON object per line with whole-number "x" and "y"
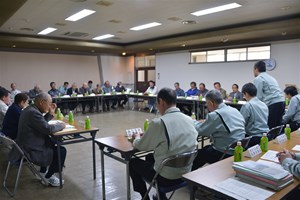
{"x": 28, "y": 69}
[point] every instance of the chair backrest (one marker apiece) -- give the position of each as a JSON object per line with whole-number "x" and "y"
{"x": 274, "y": 132}
{"x": 10, "y": 144}
{"x": 179, "y": 160}
{"x": 244, "y": 142}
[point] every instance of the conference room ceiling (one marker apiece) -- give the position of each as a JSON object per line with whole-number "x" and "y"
{"x": 256, "y": 21}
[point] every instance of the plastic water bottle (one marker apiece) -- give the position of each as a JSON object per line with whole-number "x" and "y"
{"x": 71, "y": 117}
{"x": 287, "y": 131}
{"x": 87, "y": 122}
{"x": 287, "y": 101}
{"x": 264, "y": 143}
{"x": 58, "y": 113}
{"x": 238, "y": 152}
{"x": 146, "y": 125}
{"x": 193, "y": 116}
{"x": 200, "y": 97}
{"x": 234, "y": 100}
{"x": 137, "y": 92}
{"x": 185, "y": 95}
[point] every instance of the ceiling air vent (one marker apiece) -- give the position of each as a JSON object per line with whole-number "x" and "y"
{"x": 76, "y": 34}
{"x": 104, "y": 3}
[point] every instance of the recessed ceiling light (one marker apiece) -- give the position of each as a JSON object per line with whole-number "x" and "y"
{"x": 14, "y": 46}
{"x": 102, "y": 37}
{"x": 124, "y": 53}
{"x": 145, "y": 26}
{"x": 188, "y": 22}
{"x": 283, "y": 33}
{"x": 216, "y": 9}
{"x": 47, "y": 31}
{"x": 57, "y": 48}
{"x": 92, "y": 51}
{"x": 80, "y": 15}
{"x": 183, "y": 45}
{"x": 150, "y": 49}
{"x": 285, "y": 8}
{"x": 225, "y": 40}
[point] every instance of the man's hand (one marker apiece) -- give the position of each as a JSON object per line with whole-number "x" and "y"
{"x": 285, "y": 154}
{"x": 52, "y": 108}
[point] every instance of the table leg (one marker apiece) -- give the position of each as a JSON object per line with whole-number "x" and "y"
{"x": 102, "y": 173}
{"x": 192, "y": 193}
{"x": 94, "y": 154}
{"x": 59, "y": 165}
{"x": 128, "y": 181}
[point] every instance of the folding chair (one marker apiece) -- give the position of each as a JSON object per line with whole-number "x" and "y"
{"x": 244, "y": 142}
{"x": 175, "y": 161}
{"x": 24, "y": 160}
{"x": 274, "y": 132}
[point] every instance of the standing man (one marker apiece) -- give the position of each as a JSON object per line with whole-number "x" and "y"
{"x": 34, "y": 137}
{"x": 255, "y": 113}
{"x": 224, "y": 125}
{"x": 268, "y": 91}
{"x": 173, "y": 133}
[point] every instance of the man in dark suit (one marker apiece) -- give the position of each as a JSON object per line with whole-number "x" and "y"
{"x": 72, "y": 91}
{"x": 34, "y": 136}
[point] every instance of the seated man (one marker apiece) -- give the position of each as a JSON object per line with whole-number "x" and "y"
{"x": 85, "y": 91}
{"x": 193, "y": 91}
{"x": 63, "y": 89}
{"x": 14, "y": 91}
{"x": 11, "y": 119}
{"x": 178, "y": 90}
{"x": 53, "y": 91}
{"x": 107, "y": 88}
{"x": 202, "y": 89}
{"x": 72, "y": 91}
{"x": 292, "y": 115}
{"x": 4, "y": 102}
{"x": 98, "y": 89}
{"x": 151, "y": 90}
{"x": 122, "y": 100}
{"x": 235, "y": 93}
{"x": 34, "y": 92}
{"x": 173, "y": 133}
{"x": 217, "y": 86}
{"x": 255, "y": 113}
{"x": 34, "y": 137}
{"x": 224, "y": 125}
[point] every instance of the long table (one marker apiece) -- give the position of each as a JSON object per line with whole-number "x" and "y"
{"x": 66, "y": 137}
{"x": 109, "y": 146}
{"x": 207, "y": 177}
{"x": 194, "y": 101}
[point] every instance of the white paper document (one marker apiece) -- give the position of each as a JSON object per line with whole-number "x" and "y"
{"x": 271, "y": 156}
{"x": 240, "y": 190}
{"x": 296, "y": 148}
{"x": 270, "y": 164}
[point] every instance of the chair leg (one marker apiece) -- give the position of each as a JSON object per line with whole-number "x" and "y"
{"x": 17, "y": 178}
{"x": 148, "y": 190}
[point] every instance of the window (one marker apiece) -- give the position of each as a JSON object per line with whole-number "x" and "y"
{"x": 232, "y": 54}
{"x": 145, "y": 61}
{"x": 236, "y": 54}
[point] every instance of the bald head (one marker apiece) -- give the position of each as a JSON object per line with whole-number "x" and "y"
{"x": 85, "y": 85}
{"x": 43, "y": 101}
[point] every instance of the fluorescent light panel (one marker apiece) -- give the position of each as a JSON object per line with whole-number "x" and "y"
{"x": 145, "y": 26}
{"x": 216, "y": 9}
{"x": 80, "y": 15}
{"x": 102, "y": 37}
{"x": 47, "y": 31}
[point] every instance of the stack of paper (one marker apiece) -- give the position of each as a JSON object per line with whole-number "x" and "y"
{"x": 263, "y": 174}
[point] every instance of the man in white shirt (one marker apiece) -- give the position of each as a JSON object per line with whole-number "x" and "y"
{"x": 152, "y": 90}
{"x": 13, "y": 91}
{"x": 4, "y": 102}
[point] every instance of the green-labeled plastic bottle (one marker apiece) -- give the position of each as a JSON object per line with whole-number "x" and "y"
{"x": 102, "y": 92}
{"x": 234, "y": 100}
{"x": 146, "y": 125}
{"x": 137, "y": 92}
{"x": 264, "y": 143}
{"x": 58, "y": 113}
{"x": 238, "y": 152}
{"x": 287, "y": 131}
{"x": 287, "y": 101}
{"x": 193, "y": 116}
{"x": 71, "y": 118}
{"x": 87, "y": 122}
{"x": 185, "y": 95}
{"x": 200, "y": 97}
